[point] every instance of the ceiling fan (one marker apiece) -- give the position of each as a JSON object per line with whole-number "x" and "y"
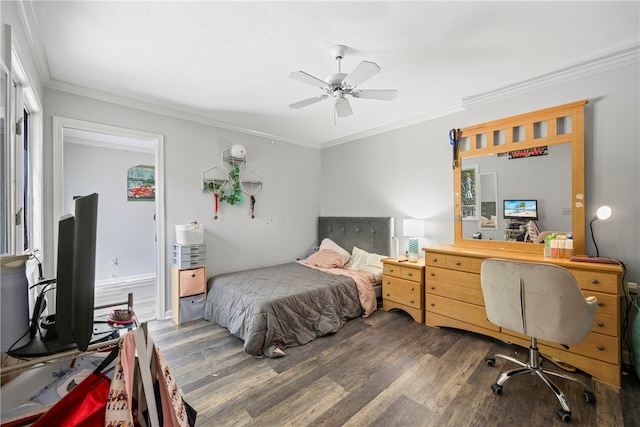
{"x": 338, "y": 85}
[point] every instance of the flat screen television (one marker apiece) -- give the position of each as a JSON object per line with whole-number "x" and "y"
{"x": 74, "y": 295}
{"x": 72, "y": 324}
{"x": 520, "y": 209}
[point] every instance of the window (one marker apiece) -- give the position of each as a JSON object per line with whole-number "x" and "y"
{"x": 4, "y": 161}
{"x": 21, "y": 159}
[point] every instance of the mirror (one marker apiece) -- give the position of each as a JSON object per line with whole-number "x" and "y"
{"x": 531, "y": 178}
{"x": 533, "y": 156}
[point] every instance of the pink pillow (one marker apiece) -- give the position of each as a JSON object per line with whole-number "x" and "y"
{"x": 325, "y": 258}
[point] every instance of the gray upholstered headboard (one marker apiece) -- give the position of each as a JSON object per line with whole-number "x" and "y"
{"x": 371, "y": 234}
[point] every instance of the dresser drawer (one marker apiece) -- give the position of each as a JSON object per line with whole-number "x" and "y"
{"x": 391, "y": 270}
{"x": 459, "y": 310}
{"x": 597, "y": 281}
{"x": 594, "y": 345}
{"x": 606, "y": 324}
{"x": 459, "y": 263}
{"x": 460, "y": 278}
{"x": 191, "y": 308}
{"x": 460, "y": 293}
{"x": 402, "y": 285}
{"x": 413, "y": 274}
{"x": 192, "y": 282}
{"x": 607, "y": 304}
{"x": 411, "y": 300}
{"x": 435, "y": 260}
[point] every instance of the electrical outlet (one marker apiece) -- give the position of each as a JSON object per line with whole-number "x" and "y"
{"x": 114, "y": 262}
{"x": 566, "y": 211}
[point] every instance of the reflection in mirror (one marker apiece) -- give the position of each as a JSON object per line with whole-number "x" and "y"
{"x": 488, "y": 201}
{"x": 545, "y": 178}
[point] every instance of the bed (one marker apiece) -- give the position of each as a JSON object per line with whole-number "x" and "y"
{"x": 276, "y": 307}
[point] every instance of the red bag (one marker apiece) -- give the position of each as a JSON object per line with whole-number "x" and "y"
{"x": 84, "y": 406}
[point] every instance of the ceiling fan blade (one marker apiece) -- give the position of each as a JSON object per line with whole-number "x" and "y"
{"x": 343, "y": 108}
{"x": 363, "y": 72}
{"x": 309, "y": 101}
{"x": 303, "y": 77}
{"x": 385, "y": 95}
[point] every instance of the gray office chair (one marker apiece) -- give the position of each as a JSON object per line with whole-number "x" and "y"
{"x": 541, "y": 301}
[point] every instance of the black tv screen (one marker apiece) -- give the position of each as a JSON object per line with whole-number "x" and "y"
{"x": 74, "y": 301}
{"x": 521, "y": 209}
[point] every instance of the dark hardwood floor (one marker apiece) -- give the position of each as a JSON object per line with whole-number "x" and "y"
{"x": 386, "y": 370}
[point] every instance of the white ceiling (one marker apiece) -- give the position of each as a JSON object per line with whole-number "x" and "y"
{"x": 228, "y": 62}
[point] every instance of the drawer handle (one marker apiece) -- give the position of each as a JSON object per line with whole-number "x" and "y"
{"x": 433, "y": 287}
{"x": 435, "y": 260}
{"x": 411, "y": 288}
{"x": 193, "y": 275}
{"x": 433, "y": 304}
{"x": 601, "y": 347}
{"x": 601, "y": 324}
{"x": 433, "y": 274}
{"x": 391, "y": 270}
{"x": 600, "y": 304}
{"x": 388, "y": 282}
{"x": 457, "y": 262}
{"x": 388, "y": 295}
{"x": 409, "y": 274}
{"x": 594, "y": 281}
{"x": 412, "y": 301}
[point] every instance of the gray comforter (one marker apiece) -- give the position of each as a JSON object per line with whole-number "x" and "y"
{"x": 272, "y": 308}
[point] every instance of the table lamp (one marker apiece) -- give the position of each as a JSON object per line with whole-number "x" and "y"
{"x": 603, "y": 213}
{"x": 413, "y": 229}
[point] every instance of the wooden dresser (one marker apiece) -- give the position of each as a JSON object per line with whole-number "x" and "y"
{"x": 403, "y": 287}
{"x": 453, "y": 298}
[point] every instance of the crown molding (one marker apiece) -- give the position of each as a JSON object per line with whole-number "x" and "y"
{"x": 173, "y": 112}
{"x": 440, "y": 112}
{"x": 30, "y": 24}
{"x": 597, "y": 65}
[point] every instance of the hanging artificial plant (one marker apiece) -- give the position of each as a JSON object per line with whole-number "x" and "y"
{"x": 235, "y": 196}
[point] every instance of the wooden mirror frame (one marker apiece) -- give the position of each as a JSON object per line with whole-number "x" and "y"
{"x": 482, "y": 141}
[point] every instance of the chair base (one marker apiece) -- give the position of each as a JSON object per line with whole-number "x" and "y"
{"x": 533, "y": 368}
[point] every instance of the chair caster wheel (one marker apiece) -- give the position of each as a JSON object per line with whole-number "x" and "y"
{"x": 589, "y": 396}
{"x": 490, "y": 361}
{"x": 497, "y": 389}
{"x": 565, "y": 416}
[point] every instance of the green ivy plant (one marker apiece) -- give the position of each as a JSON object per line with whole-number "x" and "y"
{"x": 235, "y": 196}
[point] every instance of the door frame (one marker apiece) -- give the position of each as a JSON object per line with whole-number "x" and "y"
{"x": 59, "y": 125}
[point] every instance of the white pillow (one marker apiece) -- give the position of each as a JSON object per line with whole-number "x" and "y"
{"x": 364, "y": 261}
{"x": 333, "y": 246}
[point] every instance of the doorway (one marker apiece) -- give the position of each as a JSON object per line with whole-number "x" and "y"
{"x": 130, "y": 253}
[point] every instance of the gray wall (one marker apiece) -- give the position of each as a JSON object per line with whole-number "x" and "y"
{"x": 126, "y": 229}
{"x": 286, "y": 209}
{"x": 407, "y": 172}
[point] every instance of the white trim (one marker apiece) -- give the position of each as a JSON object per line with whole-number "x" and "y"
{"x": 108, "y": 145}
{"x": 29, "y": 24}
{"x": 59, "y": 124}
{"x": 173, "y": 112}
{"x": 129, "y": 280}
{"x": 598, "y": 65}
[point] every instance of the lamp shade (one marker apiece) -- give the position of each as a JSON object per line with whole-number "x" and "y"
{"x": 413, "y": 227}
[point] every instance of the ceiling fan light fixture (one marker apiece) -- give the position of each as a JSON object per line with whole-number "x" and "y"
{"x": 339, "y": 85}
